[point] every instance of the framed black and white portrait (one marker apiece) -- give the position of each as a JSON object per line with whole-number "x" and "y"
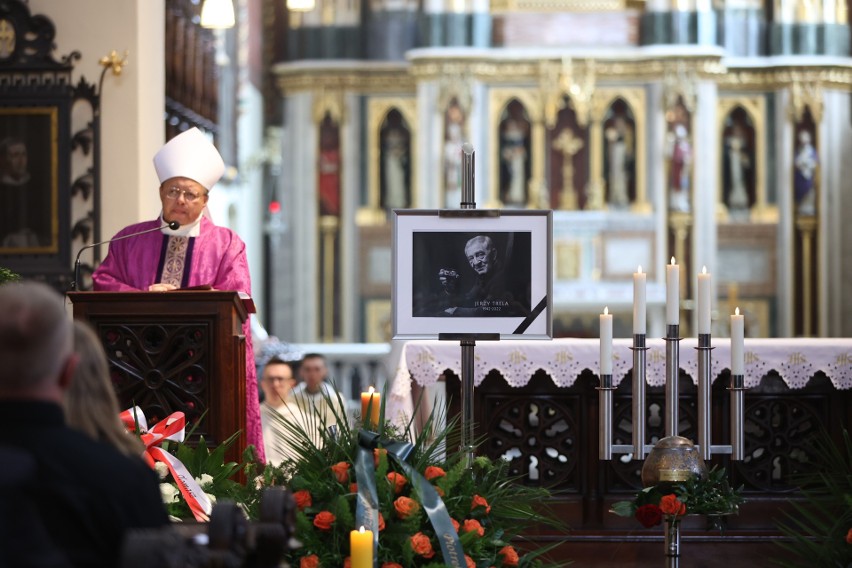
{"x": 472, "y": 272}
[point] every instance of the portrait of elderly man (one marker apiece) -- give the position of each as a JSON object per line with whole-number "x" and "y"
{"x": 197, "y": 253}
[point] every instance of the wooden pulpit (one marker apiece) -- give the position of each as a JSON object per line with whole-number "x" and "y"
{"x": 176, "y": 351}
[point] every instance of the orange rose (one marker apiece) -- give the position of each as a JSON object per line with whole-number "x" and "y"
{"x": 439, "y": 491}
{"x": 510, "y": 557}
{"x": 849, "y": 537}
{"x": 472, "y": 525}
{"x": 455, "y": 524}
{"x": 398, "y": 481}
{"x": 405, "y": 507}
{"x": 391, "y": 565}
{"x": 670, "y": 505}
{"x": 381, "y": 522}
{"x": 469, "y": 561}
{"x": 324, "y": 520}
{"x": 433, "y": 472}
{"x": 480, "y": 502}
{"x": 311, "y": 561}
{"x": 303, "y": 499}
{"x": 422, "y": 546}
{"x": 353, "y": 488}
{"x": 341, "y": 471}
{"x": 376, "y": 455}
{"x": 347, "y": 562}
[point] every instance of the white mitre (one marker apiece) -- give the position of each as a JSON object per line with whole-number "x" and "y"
{"x": 191, "y": 155}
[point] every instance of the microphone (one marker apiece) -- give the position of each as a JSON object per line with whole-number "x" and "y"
{"x": 173, "y": 225}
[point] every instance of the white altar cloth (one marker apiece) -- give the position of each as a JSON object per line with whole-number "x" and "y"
{"x": 795, "y": 360}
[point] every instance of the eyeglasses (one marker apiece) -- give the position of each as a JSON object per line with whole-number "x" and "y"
{"x": 188, "y": 196}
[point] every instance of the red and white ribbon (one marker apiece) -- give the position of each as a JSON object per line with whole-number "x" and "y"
{"x": 173, "y": 427}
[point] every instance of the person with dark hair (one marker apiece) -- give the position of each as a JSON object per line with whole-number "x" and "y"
{"x": 86, "y": 493}
{"x": 277, "y": 382}
{"x": 90, "y": 402}
{"x": 314, "y": 392}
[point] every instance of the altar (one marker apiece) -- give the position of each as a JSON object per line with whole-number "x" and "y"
{"x": 536, "y": 404}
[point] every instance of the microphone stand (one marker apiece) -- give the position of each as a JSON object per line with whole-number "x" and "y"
{"x": 173, "y": 225}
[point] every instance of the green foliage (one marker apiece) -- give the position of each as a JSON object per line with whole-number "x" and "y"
{"x": 310, "y": 470}
{"x": 7, "y": 275}
{"x": 818, "y": 526}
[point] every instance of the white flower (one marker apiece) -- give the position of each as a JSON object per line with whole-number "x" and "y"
{"x": 205, "y": 479}
{"x": 212, "y": 498}
{"x": 169, "y": 493}
{"x": 258, "y": 482}
{"x": 161, "y": 469}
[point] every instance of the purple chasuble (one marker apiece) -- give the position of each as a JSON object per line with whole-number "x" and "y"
{"x": 216, "y": 257}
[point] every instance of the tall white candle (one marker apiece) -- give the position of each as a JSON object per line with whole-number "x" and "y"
{"x": 704, "y": 287}
{"x": 606, "y": 342}
{"x": 639, "y": 304}
{"x": 737, "y": 343}
{"x": 672, "y": 293}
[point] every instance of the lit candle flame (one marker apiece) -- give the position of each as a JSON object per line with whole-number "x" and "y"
{"x": 606, "y": 310}
{"x": 673, "y": 261}
{"x": 737, "y": 311}
{"x": 704, "y": 270}
{"x": 371, "y": 390}
{"x": 640, "y": 269}
{"x": 362, "y": 526}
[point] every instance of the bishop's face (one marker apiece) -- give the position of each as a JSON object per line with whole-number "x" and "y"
{"x": 183, "y": 200}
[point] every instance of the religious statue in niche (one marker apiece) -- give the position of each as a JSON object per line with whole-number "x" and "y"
{"x": 514, "y": 154}
{"x": 567, "y": 144}
{"x": 679, "y": 153}
{"x": 453, "y": 139}
{"x": 329, "y": 167}
{"x": 738, "y": 164}
{"x": 395, "y": 162}
{"x": 619, "y": 155}
{"x": 805, "y": 163}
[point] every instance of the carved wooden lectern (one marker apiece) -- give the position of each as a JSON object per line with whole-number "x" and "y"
{"x": 176, "y": 351}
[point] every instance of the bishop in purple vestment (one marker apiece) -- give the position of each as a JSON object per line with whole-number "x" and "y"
{"x": 198, "y": 253}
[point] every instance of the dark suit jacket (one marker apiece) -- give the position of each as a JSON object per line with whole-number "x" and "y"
{"x": 86, "y": 493}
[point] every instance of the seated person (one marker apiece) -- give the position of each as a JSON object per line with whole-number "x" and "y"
{"x": 86, "y": 493}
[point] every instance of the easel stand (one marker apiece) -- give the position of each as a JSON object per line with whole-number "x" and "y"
{"x": 467, "y": 341}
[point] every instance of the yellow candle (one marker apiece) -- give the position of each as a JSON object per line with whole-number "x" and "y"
{"x": 361, "y": 548}
{"x": 370, "y": 407}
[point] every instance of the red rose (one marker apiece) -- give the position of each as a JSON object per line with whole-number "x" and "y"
{"x": 405, "y": 507}
{"x": 381, "y": 522}
{"x": 480, "y": 502}
{"x": 455, "y": 524}
{"x": 391, "y": 565}
{"x": 398, "y": 481}
{"x": 422, "y": 546}
{"x": 670, "y": 505}
{"x": 439, "y": 491}
{"x": 433, "y": 472}
{"x": 510, "y": 557}
{"x": 849, "y": 537}
{"x": 311, "y": 561}
{"x": 324, "y": 520}
{"x": 472, "y": 525}
{"x": 377, "y": 453}
{"x": 469, "y": 561}
{"x": 353, "y": 488}
{"x": 649, "y": 515}
{"x": 341, "y": 471}
{"x": 347, "y": 562}
{"x": 303, "y": 499}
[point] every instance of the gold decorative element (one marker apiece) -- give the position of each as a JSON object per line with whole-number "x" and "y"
{"x": 8, "y": 39}
{"x": 329, "y": 102}
{"x": 113, "y": 62}
{"x": 454, "y": 86}
{"x": 679, "y": 83}
{"x": 328, "y": 229}
{"x": 356, "y": 78}
{"x": 568, "y": 145}
{"x": 580, "y": 87}
{"x": 680, "y": 224}
{"x": 805, "y": 95}
{"x": 673, "y": 459}
{"x": 807, "y": 229}
{"x": 552, "y": 97}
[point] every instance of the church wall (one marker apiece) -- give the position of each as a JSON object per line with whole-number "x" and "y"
{"x": 131, "y": 104}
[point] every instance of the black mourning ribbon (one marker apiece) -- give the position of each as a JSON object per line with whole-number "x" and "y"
{"x": 366, "y": 508}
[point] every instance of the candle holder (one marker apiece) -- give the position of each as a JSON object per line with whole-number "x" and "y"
{"x": 704, "y": 396}
{"x": 605, "y": 412}
{"x": 672, "y": 378}
{"x": 737, "y": 389}
{"x": 638, "y": 399}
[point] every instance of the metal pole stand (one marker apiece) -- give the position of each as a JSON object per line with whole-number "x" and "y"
{"x": 605, "y": 412}
{"x": 638, "y": 399}
{"x": 704, "y": 397}
{"x": 672, "y": 378}
{"x": 672, "y": 542}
